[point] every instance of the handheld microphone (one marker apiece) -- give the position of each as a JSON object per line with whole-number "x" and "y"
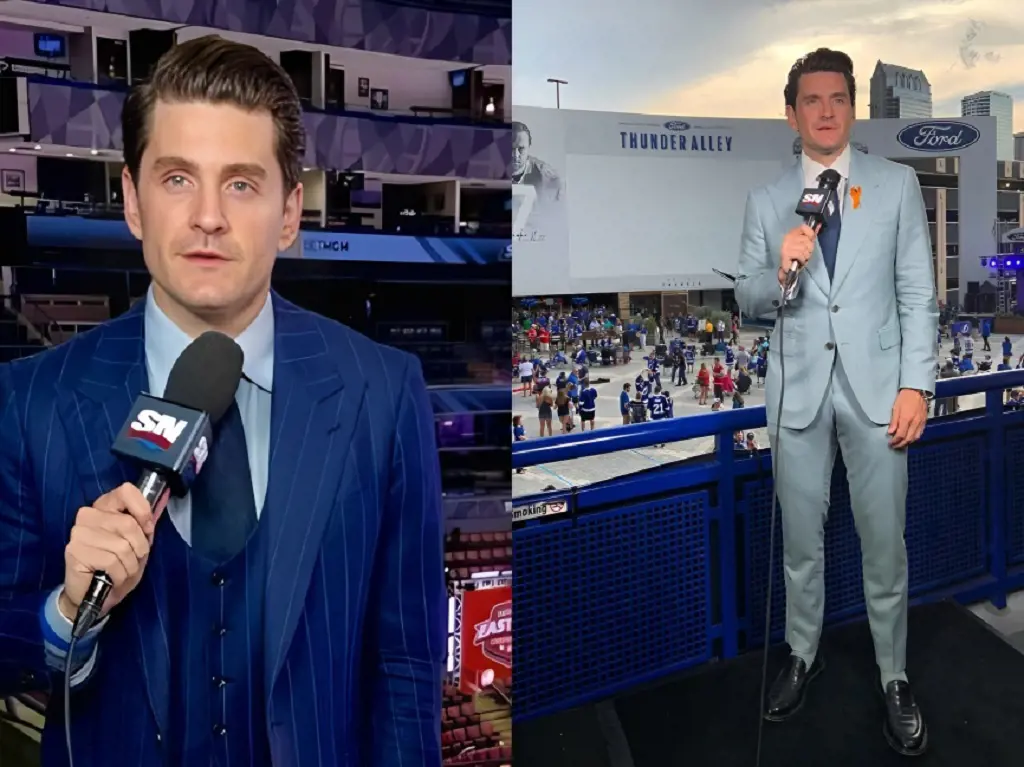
{"x": 812, "y": 205}
{"x": 169, "y": 437}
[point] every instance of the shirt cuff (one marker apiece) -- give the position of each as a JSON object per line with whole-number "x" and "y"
{"x": 57, "y": 635}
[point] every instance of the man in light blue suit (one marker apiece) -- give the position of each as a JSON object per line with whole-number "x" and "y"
{"x": 858, "y": 343}
{"x": 291, "y": 609}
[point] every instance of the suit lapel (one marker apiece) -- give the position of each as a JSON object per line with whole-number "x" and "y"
{"x": 93, "y": 410}
{"x": 314, "y": 412}
{"x": 788, "y": 194}
{"x": 856, "y": 222}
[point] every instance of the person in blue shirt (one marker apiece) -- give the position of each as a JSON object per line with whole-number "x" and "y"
{"x": 518, "y": 434}
{"x": 730, "y": 358}
{"x": 581, "y": 356}
{"x": 986, "y": 331}
{"x": 1007, "y": 347}
{"x": 588, "y": 407}
{"x": 624, "y": 404}
{"x": 669, "y": 405}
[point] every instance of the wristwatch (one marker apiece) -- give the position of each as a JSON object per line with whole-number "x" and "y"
{"x": 925, "y": 395}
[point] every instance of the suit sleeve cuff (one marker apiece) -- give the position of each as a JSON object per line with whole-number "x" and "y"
{"x": 57, "y": 630}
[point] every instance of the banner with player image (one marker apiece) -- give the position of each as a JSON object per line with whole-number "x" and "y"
{"x": 486, "y": 638}
{"x": 614, "y": 203}
{"x": 538, "y": 182}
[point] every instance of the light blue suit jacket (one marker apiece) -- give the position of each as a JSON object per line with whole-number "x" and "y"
{"x": 356, "y": 608}
{"x": 879, "y": 313}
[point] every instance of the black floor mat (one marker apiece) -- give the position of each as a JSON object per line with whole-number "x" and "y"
{"x": 968, "y": 680}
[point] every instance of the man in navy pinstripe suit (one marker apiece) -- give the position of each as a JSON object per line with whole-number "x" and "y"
{"x": 298, "y": 619}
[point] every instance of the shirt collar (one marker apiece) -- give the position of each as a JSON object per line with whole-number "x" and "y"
{"x": 165, "y": 342}
{"x": 812, "y": 168}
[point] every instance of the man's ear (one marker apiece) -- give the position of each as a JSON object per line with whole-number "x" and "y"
{"x": 130, "y": 193}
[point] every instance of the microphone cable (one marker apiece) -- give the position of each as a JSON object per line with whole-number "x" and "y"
{"x": 776, "y": 456}
{"x": 67, "y": 698}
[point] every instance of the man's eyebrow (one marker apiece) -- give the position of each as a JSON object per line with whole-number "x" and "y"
{"x": 172, "y": 162}
{"x": 250, "y": 169}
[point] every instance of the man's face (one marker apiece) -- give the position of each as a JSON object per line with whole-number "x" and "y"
{"x": 824, "y": 115}
{"x": 210, "y": 208}
{"x": 520, "y": 151}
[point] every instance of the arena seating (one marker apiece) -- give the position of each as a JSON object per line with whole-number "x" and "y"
{"x": 475, "y": 730}
{"x": 466, "y": 554}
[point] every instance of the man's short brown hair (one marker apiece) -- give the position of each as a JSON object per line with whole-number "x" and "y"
{"x": 218, "y": 71}
{"x": 821, "y": 60}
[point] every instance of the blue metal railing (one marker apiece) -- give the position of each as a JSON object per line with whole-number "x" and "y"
{"x": 634, "y": 578}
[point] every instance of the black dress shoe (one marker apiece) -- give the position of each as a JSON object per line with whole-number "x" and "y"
{"x": 904, "y": 727}
{"x": 787, "y": 693}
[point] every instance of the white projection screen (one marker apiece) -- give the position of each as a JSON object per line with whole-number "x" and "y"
{"x": 606, "y": 203}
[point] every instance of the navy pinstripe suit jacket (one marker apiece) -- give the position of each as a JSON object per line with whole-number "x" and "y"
{"x": 356, "y": 613}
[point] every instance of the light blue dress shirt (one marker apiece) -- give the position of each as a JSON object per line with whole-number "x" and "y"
{"x": 165, "y": 342}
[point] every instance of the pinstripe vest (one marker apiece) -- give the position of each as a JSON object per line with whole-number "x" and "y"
{"x": 215, "y": 614}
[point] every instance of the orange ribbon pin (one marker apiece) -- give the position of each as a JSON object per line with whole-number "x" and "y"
{"x": 855, "y": 196}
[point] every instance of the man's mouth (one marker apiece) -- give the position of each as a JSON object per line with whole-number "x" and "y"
{"x": 204, "y": 256}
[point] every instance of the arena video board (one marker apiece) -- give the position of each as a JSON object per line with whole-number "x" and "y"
{"x": 607, "y": 202}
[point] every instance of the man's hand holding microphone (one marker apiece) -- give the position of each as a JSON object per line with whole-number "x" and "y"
{"x": 114, "y": 535}
{"x": 797, "y": 248}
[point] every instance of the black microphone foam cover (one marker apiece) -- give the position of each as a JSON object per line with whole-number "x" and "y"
{"x": 206, "y": 375}
{"x": 829, "y": 178}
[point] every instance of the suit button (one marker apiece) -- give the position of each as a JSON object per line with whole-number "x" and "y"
{"x": 835, "y": 309}
{"x": 830, "y": 346}
{"x": 219, "y": 729}
{"x": 218, "y": 579}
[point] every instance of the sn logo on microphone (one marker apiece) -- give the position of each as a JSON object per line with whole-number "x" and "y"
{"x": 813, "y": 198}
{"x": 155, "y": 430}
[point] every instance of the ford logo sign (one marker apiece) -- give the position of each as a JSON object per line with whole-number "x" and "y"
{"x": 942, "y": 137}
{"x": 677, "y": 125}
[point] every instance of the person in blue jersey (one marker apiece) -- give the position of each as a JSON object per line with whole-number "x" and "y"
{"x": 588, "y": 407}
{"x": 657, "y": 404}
{"x": 624, "y": 404}
{"x": 291, "y": 608}
{"x": 654, "y": 367}
{"x": 669, "y": 404}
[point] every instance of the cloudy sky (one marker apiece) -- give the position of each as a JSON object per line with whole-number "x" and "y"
{"x": 729, "y": 58}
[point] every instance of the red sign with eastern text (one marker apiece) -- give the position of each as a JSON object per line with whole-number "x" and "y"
{"x": 486, "y": 638}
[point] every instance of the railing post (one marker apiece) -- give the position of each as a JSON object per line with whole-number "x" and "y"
{"x": 727, "y": 563}
{"x": 996, "y": 434}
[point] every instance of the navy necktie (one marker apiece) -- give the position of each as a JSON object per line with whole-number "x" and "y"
{"x": 223, "y": 506}
{"x": 828, "y": 238}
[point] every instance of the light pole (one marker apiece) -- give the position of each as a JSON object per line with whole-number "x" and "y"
{"x": 558, "y": 90}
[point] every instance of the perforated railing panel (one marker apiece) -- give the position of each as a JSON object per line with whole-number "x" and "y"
{"x": 945, "y": 533}
{"x": 1013, "y": 470}
{"x": 608, "y": 598}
